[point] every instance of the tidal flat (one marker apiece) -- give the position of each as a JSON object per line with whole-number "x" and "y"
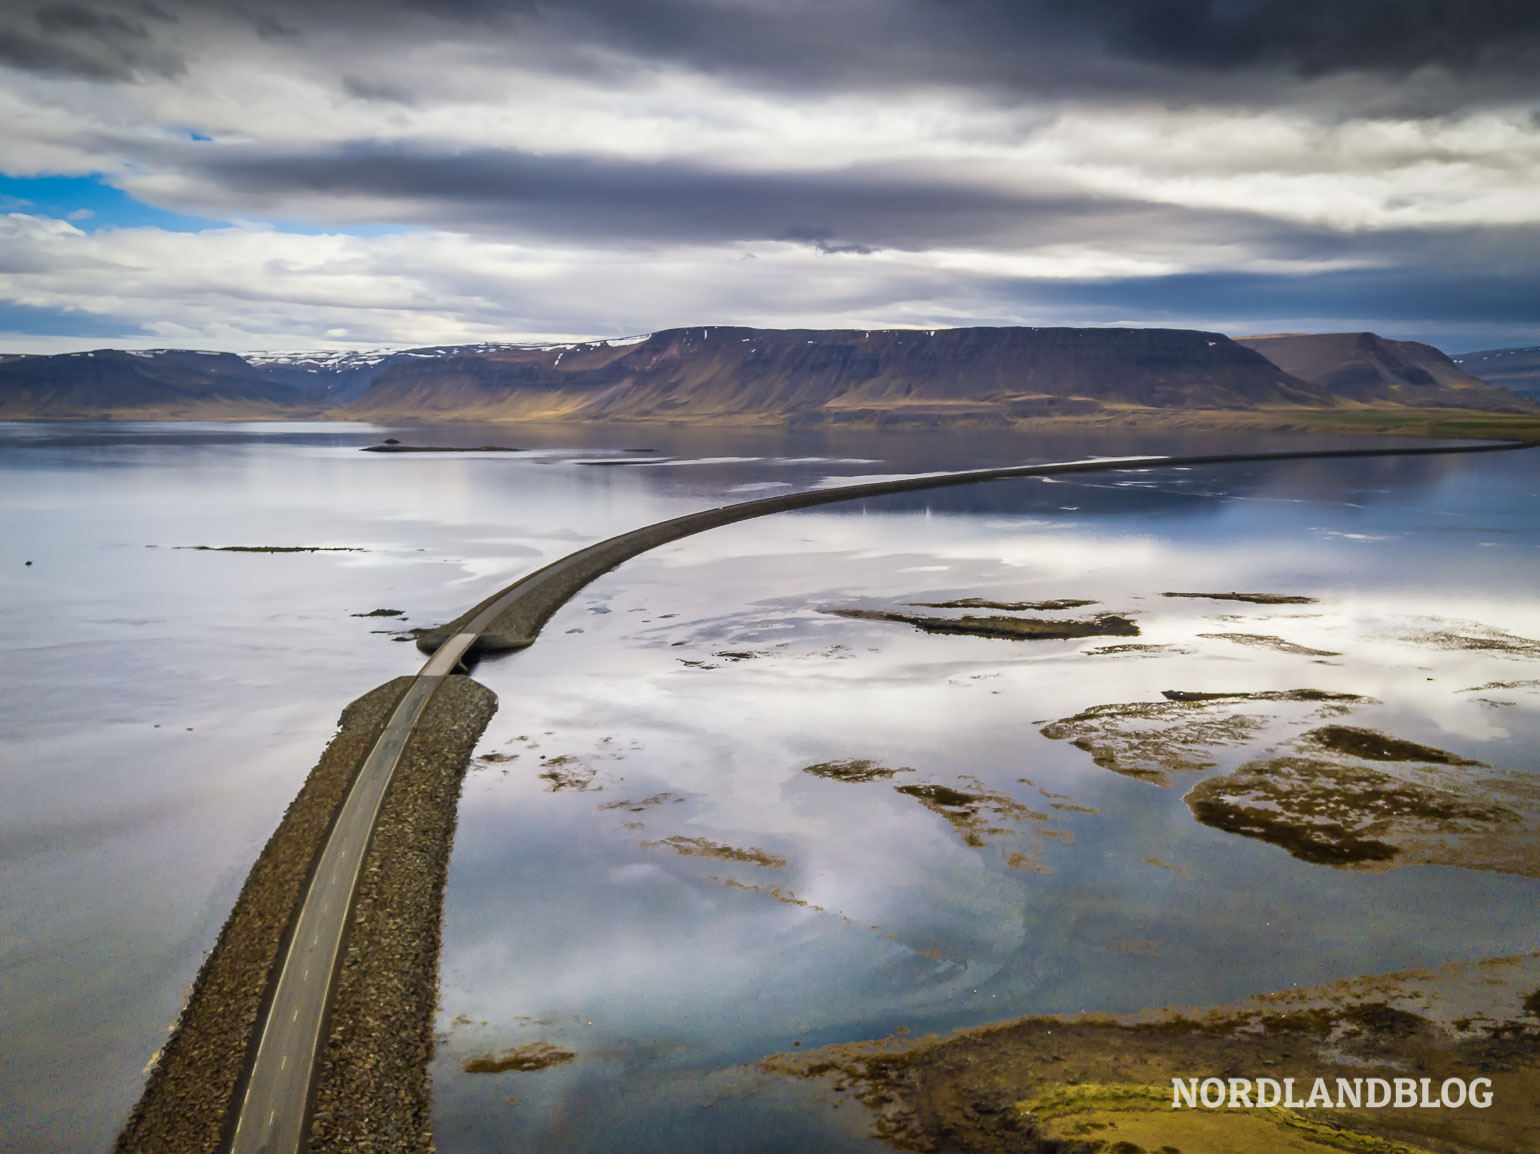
{"x": 685, "y": 699}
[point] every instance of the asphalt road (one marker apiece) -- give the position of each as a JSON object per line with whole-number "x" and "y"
{"x": 273, "y": 1111}
{"x": 273, "y": 1115}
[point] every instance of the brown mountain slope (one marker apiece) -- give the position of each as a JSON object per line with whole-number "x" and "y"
{"x": 164, "y": 384}
{"x": 1515, "y": 369}
{"x": 1368, "y": 368}
{"x": 803, "y": 375}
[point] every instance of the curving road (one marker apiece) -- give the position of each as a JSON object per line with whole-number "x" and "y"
{"x": 273, "y": 1115}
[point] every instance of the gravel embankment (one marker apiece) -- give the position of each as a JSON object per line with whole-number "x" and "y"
{"x": 188, "y": 1096}
{"x": 372, "y": 1090}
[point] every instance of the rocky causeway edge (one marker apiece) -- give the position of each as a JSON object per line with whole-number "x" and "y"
{"x": 372, "y": 1083}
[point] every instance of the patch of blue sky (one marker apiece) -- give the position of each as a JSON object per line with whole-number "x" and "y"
{"x": 44, "y": 322}
{"x": 305, "y": 228}
{"x": 90, "y": 203}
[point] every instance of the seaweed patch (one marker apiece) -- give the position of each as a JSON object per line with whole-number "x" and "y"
{"x": 1481, "y": 638}
{"x": 1358, "y": 817}
{"x": 1251, "y": 598}
{"x": 854, "y": 769}
{"x": 535, "y": 1056}
{"x": 1150, "y": 740}
{"x": 566, "y": 773}
{"x": 1268, "y": 641}
{"x": 977, "y": 814}
{"x": 1005, "y": 628}
{"x": 1372, "y": 745}
{"x": 1009, "y": 606}
{"x": 702, "y": 847}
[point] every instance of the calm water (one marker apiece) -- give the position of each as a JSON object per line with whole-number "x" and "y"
{"x": 165, "y": 703}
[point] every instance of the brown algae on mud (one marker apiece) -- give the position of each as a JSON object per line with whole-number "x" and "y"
{"x": 1268, "y": 641}
{"x": 1481, "y": 638}
{"x": 1008, "y": 606}
{"x": 1004, "y": 628}
{"x": 1372, "y": 745}
{"x": 1143, "y": 650}
{"x": 566, "y": 773}
{"x": 703, "y": 847}
{"x": 1250, "y": 598}
{"x": 1359, "y": 817}
{"x": 1317, "y": 799}
{"x": 785, "y": 897}
{"x": 1150, "y": 740}
{"x": 645, "y": 804}
{"x": 535, "y": 1056}
{"x": 976, "y": 813}
{"x": 854, "y": 769}
{"x": 272, "y": 548}
{"x": 1075, "y": 1085}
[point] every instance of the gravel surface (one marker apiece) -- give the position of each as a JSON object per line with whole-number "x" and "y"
{"x": 372, "y": 1090}
{"x": 188, "y": 1097}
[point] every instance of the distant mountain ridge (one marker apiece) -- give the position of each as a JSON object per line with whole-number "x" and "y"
{"x": 729, "y": 374}
{"x": 170, "y": 383}
{"x": 1514, "y": 369}
{"x": 745, "y": 375}
{"x": 1368, "y": 368}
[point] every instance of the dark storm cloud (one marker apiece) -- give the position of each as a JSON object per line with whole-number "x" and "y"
{"x": 1210, "y": 49}
{"x": 97, "y": 44}
{"x": 1309, "y": 37}
{"x": 362, "y": 89}
{"x": 599, "y": 199}
{"x": 1392, "y": 296}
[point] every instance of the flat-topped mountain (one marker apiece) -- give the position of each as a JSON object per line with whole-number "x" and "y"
{"x": 1368, "y": 368}
{"x": 1515, "y": 369}
{"x": 806, "y": 375}
{"x": 775, "y": 376}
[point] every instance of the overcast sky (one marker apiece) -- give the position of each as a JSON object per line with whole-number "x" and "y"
{"x": 290, "y": 174}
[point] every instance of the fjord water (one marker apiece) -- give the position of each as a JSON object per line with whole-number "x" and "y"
{"x": 164, "y": 704}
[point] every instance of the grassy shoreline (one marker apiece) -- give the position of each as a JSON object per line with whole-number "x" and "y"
{"x": 1455, "y": 424}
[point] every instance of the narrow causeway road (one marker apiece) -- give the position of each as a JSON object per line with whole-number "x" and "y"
{"x": 273, "y": 1115}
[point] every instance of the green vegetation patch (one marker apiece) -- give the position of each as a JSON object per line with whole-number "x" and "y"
{"x": 1130, "y": 1119}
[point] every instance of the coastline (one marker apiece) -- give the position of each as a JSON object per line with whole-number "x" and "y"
{"x": 1363, "y": 420}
